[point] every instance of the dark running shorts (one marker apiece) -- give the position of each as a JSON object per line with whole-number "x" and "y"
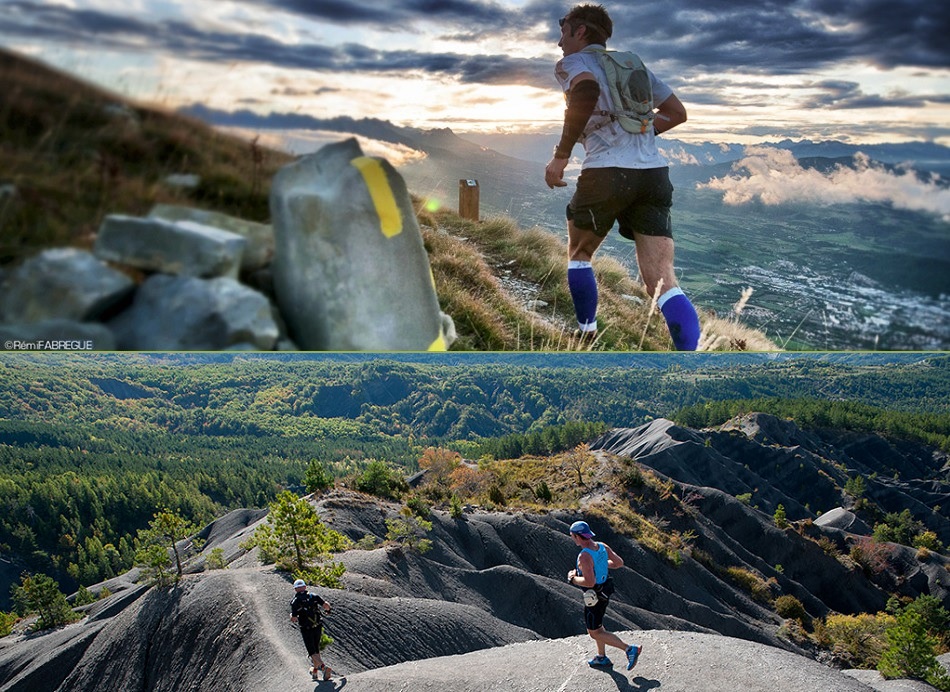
{"x": 594, "y": 616}
{"x": 640, "y": 199}
{"x": 311, "y": 638}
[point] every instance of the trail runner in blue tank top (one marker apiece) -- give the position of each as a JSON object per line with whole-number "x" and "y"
{"x": 591, "y": 574}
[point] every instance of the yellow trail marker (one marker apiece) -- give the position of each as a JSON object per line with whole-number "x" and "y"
{"x": 390, "y": 220}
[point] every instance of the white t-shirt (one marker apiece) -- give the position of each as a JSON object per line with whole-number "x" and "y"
{"x": 612, "y": 146}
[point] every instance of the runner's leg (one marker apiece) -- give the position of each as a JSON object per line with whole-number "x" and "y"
{"x": 655, "y": 260}
{"x": 580, "y": 275}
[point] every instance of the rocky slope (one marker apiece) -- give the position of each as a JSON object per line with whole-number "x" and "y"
{"x": 780, "y": 463}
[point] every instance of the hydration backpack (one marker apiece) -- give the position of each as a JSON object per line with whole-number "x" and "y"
{"x": 309, "y": 612}
{"x": 630, "y": 90}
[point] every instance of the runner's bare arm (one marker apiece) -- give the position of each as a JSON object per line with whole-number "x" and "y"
{"x": 669, "y": 114}
{"x": 554, "y": 171}
{"x": 587, "y": 568}
{"x": 614, "y": 561}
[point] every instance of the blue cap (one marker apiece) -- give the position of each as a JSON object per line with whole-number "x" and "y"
{"x": 582, "y": 529}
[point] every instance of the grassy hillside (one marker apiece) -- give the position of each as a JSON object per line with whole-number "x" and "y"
{"x": 73, "y": 153}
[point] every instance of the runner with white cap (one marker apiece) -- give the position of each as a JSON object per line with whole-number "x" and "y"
{"x": 305, "y": 612}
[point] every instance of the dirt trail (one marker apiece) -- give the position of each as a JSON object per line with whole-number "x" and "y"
{"x": 286, "y": 669}
{"x": 261, "y": 611}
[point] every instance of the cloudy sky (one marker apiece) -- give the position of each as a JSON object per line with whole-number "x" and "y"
{"x": 748, "y": 70}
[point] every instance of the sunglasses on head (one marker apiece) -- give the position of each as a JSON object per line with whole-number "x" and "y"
{"x": 574, "y": 23}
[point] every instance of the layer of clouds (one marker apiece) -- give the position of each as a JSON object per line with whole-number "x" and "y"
{"x": 386, "y": 13}
{"x": 679, "y": 156}
{"x": 689, "y": 36}
{"x": 774, "y": 176}
{"x": 299, "y": 142}
{"x": 104, "y": 30}
{"x": 796, "y": 36}
{"x": 840, "y": 94}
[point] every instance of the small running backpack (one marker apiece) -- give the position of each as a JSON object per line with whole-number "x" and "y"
{"x": 310, "y": 615}
{"x": 630, "y": 89}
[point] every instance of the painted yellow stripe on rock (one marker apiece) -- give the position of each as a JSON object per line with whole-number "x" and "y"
{"x": 390, "y": 219}
{"x": 439, "y": 344}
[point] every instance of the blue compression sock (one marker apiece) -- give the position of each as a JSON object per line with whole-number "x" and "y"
{"x": 681, "y": 318}
{"x": 583, "y": 287}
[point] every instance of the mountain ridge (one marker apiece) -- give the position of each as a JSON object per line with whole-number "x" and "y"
{"x": 537, "y": 147}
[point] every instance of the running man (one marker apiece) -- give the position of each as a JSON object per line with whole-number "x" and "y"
{"x": 623, "y": 178}
{"x": 593, "y": 562}
{"x": 305, "y": 612}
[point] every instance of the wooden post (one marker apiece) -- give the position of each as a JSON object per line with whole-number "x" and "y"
{"x": 468, "y": 199}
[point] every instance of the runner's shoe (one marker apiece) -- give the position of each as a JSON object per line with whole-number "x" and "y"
{"x": 633, "y": 653}
{"x": 599, "y": 661}
{"x": 584, "y": 338}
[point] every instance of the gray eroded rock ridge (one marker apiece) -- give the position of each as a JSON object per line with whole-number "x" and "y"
{"x": 488, "y": 607}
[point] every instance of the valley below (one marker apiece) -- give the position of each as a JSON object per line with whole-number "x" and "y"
{"x": 855, "y": 276}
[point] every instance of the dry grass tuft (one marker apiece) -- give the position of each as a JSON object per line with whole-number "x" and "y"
{"x": 537, "y": 258}
{"x": 730, "y": 335}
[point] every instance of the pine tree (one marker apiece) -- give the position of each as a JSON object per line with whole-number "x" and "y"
{"x": 294, "y": 537}
{"x": 382, "y": 481}
{"x": 781, "y": 520}
{"x": 165, "y": 532}
{"x": 409, "y": 531}
{"x": 911, "y": 652}
{"x": 40, "y": 594}
{"x": 7, "y": 621}
{"x": 317, "y": 477}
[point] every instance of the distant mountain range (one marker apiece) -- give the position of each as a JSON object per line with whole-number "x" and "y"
{"x": 507, "y": 183}
{"x": 538, "y": 147}
{"x": 509, "y": 166}
{"x": 926, "y": 156}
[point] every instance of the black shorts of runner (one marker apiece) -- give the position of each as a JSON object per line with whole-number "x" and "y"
{"x": 311, "y": 638}
{"x": 640, "y": 199}
{"x": 594, "y": 615}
